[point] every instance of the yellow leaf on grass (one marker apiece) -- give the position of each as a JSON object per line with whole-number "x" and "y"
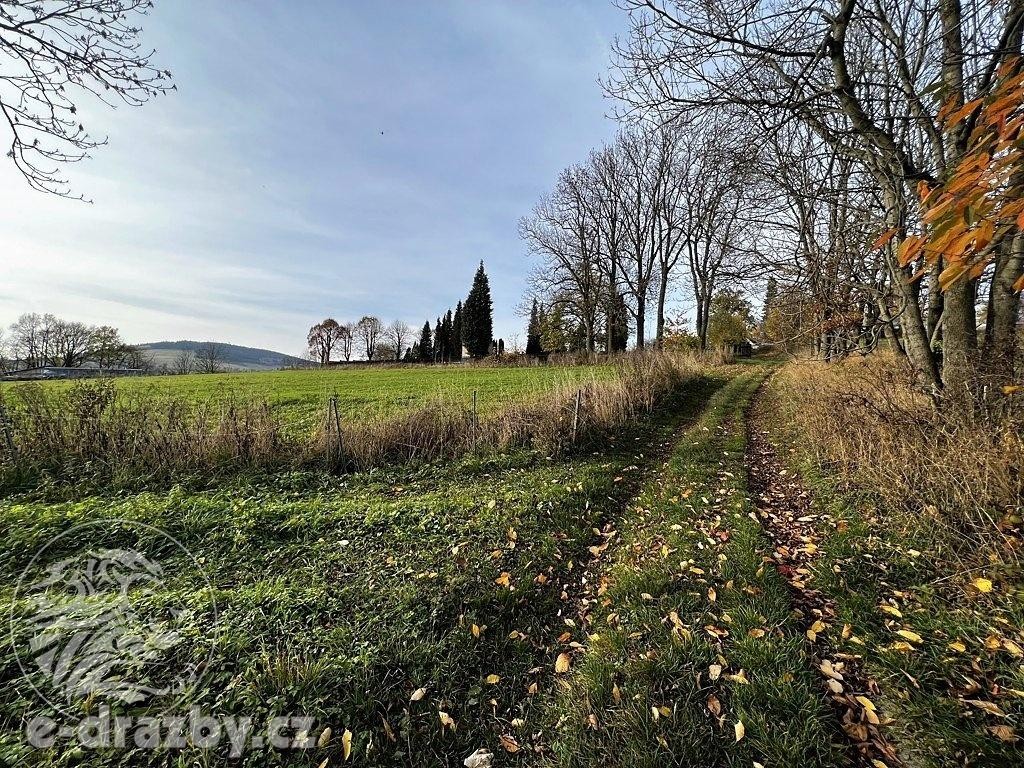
{"x": 740, "y": 730}
{"x": 562, "y": 663}
{"x": 865, "y": 702}
{"x": 503, "y": 580}
{"x": 715, "y": 671}
{"x": 492, "y": 680}
{"x": 324, "y": 738}
{"x": 1012, "y": 647}
{"x": 346, "y": 743}
{"x": 957, "y": 646}
{"x": 891, "y": 610}
{"x": 816, "y": 627}
{"x": 982, "y": 584}
{"x": 446, "y": 720}
{"x": 911, "y": 636}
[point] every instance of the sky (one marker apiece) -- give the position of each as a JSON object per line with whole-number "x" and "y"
{"x": 319, "y": 158}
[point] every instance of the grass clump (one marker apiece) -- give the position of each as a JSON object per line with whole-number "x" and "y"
{"x": 866, "y": 424}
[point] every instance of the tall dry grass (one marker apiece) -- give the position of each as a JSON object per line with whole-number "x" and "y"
{"x": 551, "y": 422}
{"x": 869, "y": 427}
{"x": 93, "y": 429}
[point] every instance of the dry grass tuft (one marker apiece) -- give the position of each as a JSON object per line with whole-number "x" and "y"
{"x": 868, "y": 427}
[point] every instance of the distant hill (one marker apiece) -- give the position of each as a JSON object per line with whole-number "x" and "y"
{"x": 235, "y": 358}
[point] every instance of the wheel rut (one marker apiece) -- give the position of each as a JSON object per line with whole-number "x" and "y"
{"x": 783, "y": 505}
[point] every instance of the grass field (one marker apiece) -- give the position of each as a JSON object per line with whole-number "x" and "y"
{"x": 300, "y": 396}
{"x": 629, "y": 605}
{"x": 340, "y": 598}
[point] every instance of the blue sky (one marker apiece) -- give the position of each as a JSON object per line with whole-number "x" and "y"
{"x": 319, "y": 158}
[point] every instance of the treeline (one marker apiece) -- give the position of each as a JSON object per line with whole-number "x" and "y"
{"x": 470, "y": 326}
{"x": 39, "y": 340}
{"x": 623, "y": 229}
{"x": 866, "y": 157}
{"x": 858, "y": 165}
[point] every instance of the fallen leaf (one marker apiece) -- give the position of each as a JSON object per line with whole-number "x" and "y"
{"x": 957, "y": 646}
{"x": 988, "y": 706}
{"x": 418, "y": 694}
{"x": 1003, "y": 733}
{"x": 739, "y": 729}
{"x": 446, "y": 720}
{"x": 508, "y": 743}
{"x": 324, "y": 738}
{"x": 982, "y": 584}
{"x": 492, "y": 680}
{"x": 346, "y": 743}
{"x": 714, "y": 705}
{"x": 911, "y": 636}
{"x": 562, "y": 663}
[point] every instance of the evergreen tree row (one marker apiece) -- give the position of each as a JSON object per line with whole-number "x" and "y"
{"x": 469, "y": 327}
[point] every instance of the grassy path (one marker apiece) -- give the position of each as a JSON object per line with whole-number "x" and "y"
{"x": 693, "y": 654}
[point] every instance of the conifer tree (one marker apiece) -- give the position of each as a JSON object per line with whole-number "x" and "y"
{"x": 446, "y": 328}
{"x": 478, "y": 316}
{"x": 457, "y": 339}
{"x": 533, "y": 331}
{"x": 438, "y": 342}
{"x": 426, "y": 345}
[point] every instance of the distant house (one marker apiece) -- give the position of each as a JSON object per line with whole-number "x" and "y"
{"x": 60, "y": 372}
{"x": 740, "y": 349}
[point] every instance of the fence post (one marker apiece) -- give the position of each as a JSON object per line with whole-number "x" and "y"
{"x": 576, "y": 415}
{"x": 332, "y": 416}
{"x": 475, "y": 420}
{"x": 5, "y": 424}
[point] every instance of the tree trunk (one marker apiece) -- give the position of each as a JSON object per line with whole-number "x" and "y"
{"x": 959, "y": 341}
{"x": 641, "y": 312}
{"x": 662, "y": 292}
{"x": 1000, "y": 346}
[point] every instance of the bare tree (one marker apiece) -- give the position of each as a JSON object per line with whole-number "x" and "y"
{"x": 369, "y": 330}
{"x": 563, "y": 232}
{"x": 210, "y": 358}
{"x": 71, "y": 343}
{"x": 399, "y": 334}
{"x": 185, "y": 362}
{"x": 55, "y": 52}
{"x": 346, "y": 340}
{"x": 322, "y": 339}
{"x": 29, "y": 341}
{"x": 871, "y": 79}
